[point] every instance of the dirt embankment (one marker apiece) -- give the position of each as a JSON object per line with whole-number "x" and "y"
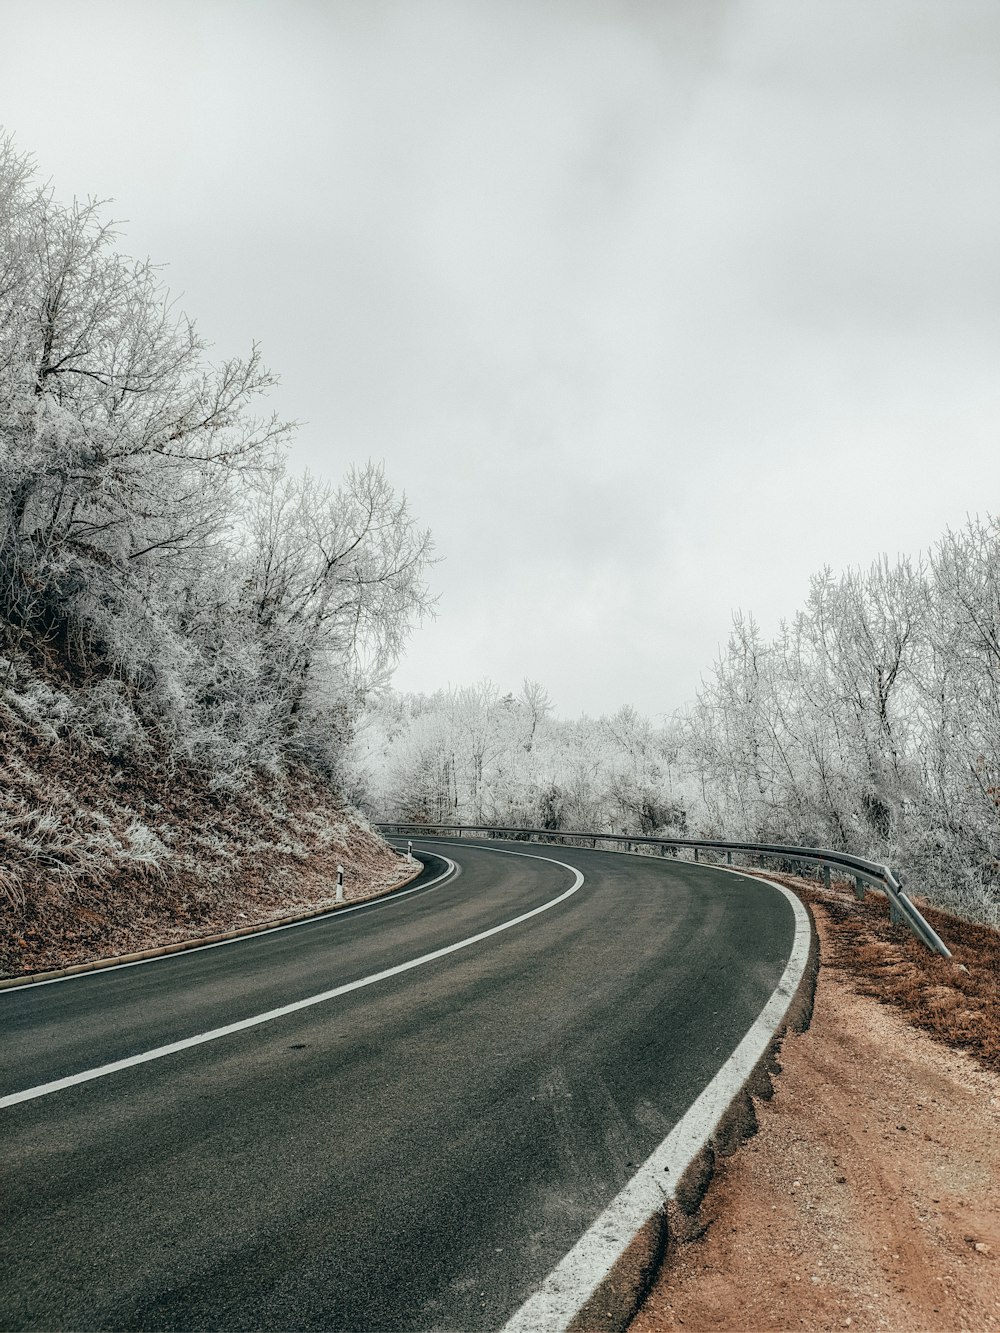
{"x": 870, "y": 1197}
{"x": 99, "y": 857}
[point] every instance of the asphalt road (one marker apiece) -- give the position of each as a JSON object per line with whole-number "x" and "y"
{"x": 415, "y": 1154}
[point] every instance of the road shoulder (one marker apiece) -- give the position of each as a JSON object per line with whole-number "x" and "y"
{"x": 867, "y": 1198}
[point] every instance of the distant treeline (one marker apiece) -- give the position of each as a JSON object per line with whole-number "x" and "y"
{"x": 870, "y": 724}
{"x": 477, "y": 755}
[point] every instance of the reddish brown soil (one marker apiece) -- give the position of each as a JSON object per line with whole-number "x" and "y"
{"x": 869, "y": 1197}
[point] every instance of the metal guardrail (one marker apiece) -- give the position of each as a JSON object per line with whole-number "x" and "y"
{"x": 901, "y": 909}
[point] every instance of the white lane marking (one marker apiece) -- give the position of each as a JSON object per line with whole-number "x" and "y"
{"x": 44, "y": 1089}
{"x": 386, "y": 899}
{"x": 577, "y": 1276}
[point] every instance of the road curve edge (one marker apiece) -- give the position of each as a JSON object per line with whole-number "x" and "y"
{"x": 587, "y": 1270}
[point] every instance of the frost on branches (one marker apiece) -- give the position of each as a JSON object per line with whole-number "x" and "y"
{"x": 154, "y": 552}
{"x": 474, "y": 755}
{"x": 871, "y": 725}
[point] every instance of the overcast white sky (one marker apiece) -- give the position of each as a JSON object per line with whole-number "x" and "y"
{"x": 652, "y": 307}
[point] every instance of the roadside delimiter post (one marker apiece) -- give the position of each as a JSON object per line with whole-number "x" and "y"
{"x": 340, "y": 884}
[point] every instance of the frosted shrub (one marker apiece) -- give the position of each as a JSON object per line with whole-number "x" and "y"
{"x": 43, "y": 707}
{"x": 141, "y": 846}
{"x": 106, "y": 715}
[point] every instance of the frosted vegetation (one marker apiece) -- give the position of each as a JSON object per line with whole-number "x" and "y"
{"x": 187, "y": 629}
{"x": 169, "y": 593}
{"x": 477, "y": 755}
{"x": 870, "y": 724}
{"x": 173, "y": 600}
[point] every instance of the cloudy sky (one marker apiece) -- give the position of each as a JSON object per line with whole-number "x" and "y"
{"x": 652, "y": 307}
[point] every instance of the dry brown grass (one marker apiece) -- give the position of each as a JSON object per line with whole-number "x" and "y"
{"x": 957, "y": 1000}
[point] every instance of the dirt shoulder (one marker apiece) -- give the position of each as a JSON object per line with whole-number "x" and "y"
{"x": 870, "y": 1197}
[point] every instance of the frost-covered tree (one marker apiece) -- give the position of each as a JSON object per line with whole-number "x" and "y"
{"x": 871, "y": 723}
{"x": 150, "y": 535}
{"x": 121, "y": 444}
{"x": 334, "y": 578}
{"x": 475, "y": 755}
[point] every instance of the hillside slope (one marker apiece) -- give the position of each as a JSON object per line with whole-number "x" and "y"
{"x": 107, "y": 847}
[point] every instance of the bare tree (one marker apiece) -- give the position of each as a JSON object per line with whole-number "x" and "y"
{"x": 148, "y": 527}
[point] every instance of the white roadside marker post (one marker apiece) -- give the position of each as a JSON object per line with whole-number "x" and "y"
{"x": 340, "y": 884}
{"x": 409, "y": 850}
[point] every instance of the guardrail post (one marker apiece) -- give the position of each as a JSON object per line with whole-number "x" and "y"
{"x": 729, "y": 858}
{"x": 859, "y": 888}
{"x": 696, "y": 853}
{"x": 340, "y": 884}
{"x": 826, "y": 877}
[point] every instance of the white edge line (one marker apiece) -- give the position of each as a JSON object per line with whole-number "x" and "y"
{"x": 578, "y": 1275}
{"x": 380, "y": 900}
{"x": 101, "y": 1071}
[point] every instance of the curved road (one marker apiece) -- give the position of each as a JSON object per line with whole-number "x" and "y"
{"x": 414, "y": 1153}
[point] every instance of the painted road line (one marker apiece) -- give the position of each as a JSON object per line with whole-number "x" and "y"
{"x": 577, "y": 1276}
{"x": 102, "y": 1071}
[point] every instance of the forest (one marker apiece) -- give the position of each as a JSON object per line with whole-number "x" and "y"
{"x": 151, "y": 536}
{"x": 176, "y": 603}
{"x": 179, "y": 611}
{"x": 870, "y": 723}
